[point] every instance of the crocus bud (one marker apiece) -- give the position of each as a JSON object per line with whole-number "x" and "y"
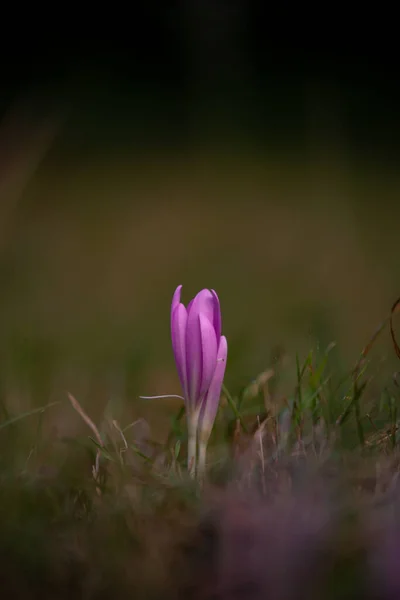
{"x": 200, "y": 355}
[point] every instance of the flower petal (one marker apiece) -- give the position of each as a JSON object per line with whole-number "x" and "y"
{"x": 217, "y": 320}
{"x": 189, "y": 305}
{"x": 178, "y": 336}
{"x": 209, "y": 353}
{"x": 176, "y": 298}
{"x": 201, "y": 304}
{"x": 194, "y": 358}
{"x": 211, "y": 401}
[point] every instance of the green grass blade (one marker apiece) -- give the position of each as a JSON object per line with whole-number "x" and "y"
{"x": 233, "y": 406}
{"x": 35, "y": 411}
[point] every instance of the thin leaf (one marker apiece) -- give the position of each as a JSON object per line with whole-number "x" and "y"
{"x": 356, "y": 396}
{"x": 102, "y": 450}
{"x": 234, "y": 408}
{"x": 17, "y": 418}
{"x": 395, "y": 308}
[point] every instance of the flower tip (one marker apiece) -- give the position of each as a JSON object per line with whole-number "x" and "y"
{"x": 178, "y": 290}
{"x": 176, "y": 298}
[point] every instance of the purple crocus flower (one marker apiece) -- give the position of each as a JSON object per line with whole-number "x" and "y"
{"x": 200, "y": 354}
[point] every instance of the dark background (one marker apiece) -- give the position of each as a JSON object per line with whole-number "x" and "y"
{"x": 169, "y": 71}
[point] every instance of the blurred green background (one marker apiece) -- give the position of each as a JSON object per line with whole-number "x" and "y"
{"x": 275, "y": 184}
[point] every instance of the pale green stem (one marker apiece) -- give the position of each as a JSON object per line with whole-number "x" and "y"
{"x": 192, "y": 442}
{"x": 203, "y": 443}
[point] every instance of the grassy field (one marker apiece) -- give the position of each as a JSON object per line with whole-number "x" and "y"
{"x": 303, "y": 460}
